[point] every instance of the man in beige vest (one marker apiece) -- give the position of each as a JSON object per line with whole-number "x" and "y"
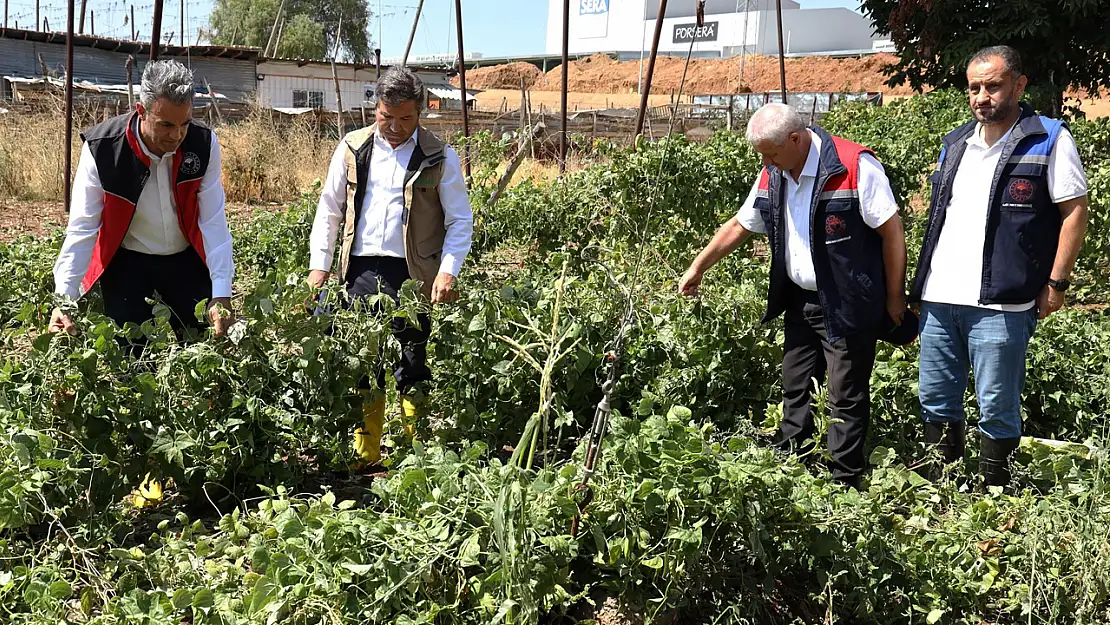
{"x": 399, "y": 196}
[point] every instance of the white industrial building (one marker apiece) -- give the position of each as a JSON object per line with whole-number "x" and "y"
{"x": 732, "y": 27}
{"x": 303, "y": 85}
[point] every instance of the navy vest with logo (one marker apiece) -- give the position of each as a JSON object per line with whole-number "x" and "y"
{"x": 847, "y": 253}
{"x": 1023, "y": 225}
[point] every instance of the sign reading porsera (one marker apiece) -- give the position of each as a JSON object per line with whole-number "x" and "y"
{"x": 685, "y": 33}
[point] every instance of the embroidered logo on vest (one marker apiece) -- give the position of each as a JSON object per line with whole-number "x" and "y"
{"x": 835, "y": 226}
{"x": 1021, "y": 190}
{"x": 190, "y": 164}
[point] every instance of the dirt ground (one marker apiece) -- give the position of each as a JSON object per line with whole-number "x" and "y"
{"x": 757, "y": 73}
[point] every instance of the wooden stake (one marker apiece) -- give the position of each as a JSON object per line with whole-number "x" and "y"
{"x": 130, "y": 65}
{"x": 212, "y": 98}
{"x": 412, "y": 33}
{"x": 565, "y": 86}
{"x": 67, "y": 187}
{"x": 462, "y": 87}
{"x": 639, "y": 128}
{"x": 156, "y": 31}
{"x": 782, "y": 58}
{"x": 335, "y": 77}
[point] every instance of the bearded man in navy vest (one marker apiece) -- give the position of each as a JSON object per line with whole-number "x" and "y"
{"x": 147, "y": 213}
{"x": 838, "y": 270}
{"x": 1008, "y": 216}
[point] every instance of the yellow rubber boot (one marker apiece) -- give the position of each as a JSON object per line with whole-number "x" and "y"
{"x": 148, "y": 493}
{"x": 410, "y": 414}
{"x": 368, "y": 438}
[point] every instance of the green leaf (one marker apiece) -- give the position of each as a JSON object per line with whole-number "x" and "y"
{"x": 182, "y": 598}
{"x": 358, "y": 569}
{"x": 61, "y": 589}
{"x": 204, "y": 599}
{"x": 934, "y": 616}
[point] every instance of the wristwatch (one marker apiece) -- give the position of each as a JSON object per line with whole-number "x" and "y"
{"x": 1059, "y": 285}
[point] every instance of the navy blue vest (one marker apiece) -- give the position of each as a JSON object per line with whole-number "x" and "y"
{"x": 847, "y": 253}
{"x": 1023, "y": 225}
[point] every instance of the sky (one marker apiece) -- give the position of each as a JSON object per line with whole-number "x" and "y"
{"x": 488, "y": 29}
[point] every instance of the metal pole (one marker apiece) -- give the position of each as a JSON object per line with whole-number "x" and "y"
{"x": 412, "y": 33}
{"x": 132, "y": 22}
{"x": 378, "y": 64}
{"x": 566, "y": 83}
{"x": 92, "y": 22}
{"x": 782, "y": 59}
{"x": 182, "y": 23}
{"x": 81, "y": 22}
{"x": 156, "y": 31}
{"x": 38, "y": 18}
{"x": 462, "y": 86}
{"x": 651, "y": 68}
{"x": 66, "y": 192}
{"x": 5, "y": 13}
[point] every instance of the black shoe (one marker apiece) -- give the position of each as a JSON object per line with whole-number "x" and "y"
{"x": 994, "y": 460}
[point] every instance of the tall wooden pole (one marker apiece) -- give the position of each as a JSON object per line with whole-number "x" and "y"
{"x": 5, "y": 13}
{"x": 651, "y": 67}
{"x": 462, "y": 85}
{"x": 156, "y": 32}
{"x": 182, "y": 23}
{"x": 782, "y": 58}
{"x": 66, "y": 189}
{"x": 566, "y": 84}
{"x": 335, "y": 78}
{"x": 81, "y": 21}
{"x": 412, "y": 33}
{"x": 92, "y": 22}
{"x": 38, "y": 18}
{"x": 132, "y": 22}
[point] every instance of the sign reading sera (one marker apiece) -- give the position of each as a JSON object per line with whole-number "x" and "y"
{"x": 593, "y": 7}
{"x": 685, "y": 33}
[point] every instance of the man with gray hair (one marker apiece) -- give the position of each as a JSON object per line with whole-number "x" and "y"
{"x": 399, "y": 195}
{"x": 147, "y": 213}
{"x": 838, "y": 270}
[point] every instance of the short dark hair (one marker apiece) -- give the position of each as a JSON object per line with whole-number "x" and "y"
{"x": 1009, "y": 56}
{"x": 399, "y": 85}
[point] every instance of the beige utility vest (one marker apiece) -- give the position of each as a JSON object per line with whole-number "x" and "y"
{"x": 423, "y": 219}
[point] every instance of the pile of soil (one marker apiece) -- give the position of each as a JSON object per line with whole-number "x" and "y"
{"x": 601, "y": 74}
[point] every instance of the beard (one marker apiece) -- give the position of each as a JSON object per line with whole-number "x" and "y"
{"x": 994, "y": 113}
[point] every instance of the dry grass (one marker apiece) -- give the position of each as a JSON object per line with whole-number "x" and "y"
{"x": 263, "y": 161}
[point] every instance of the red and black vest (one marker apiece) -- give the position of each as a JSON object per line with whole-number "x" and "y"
{"x": 124, "y": 168}
{"x": 847, "y": 253}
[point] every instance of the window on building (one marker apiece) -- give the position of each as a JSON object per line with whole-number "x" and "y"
{"x": 308, "y": 99}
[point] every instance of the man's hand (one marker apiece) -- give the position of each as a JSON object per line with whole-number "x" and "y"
{"x": 690, "y": 282}
{"x": 60, "y": 322}
{"x": 443, "y": 289}
{"x": 220, "y": 315}
{"x": 896, "y": 307}
{"x": 317, "y": 278}
{"x": 1049, "y": 301}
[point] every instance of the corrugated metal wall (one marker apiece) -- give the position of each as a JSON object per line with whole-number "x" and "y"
{"x": 231, "y": 77}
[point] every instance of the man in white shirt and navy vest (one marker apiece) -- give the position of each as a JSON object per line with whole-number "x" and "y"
{"x": 1008, "y": 216}
{"x": 147, "y": 213}
{"x": 838, "y": 270}
{"x": 399, "y": 194}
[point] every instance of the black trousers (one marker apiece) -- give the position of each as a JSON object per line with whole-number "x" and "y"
{"x": 809, "y": 355}
{"x": 371, "y": 275}
{"x": 181, "y": 280}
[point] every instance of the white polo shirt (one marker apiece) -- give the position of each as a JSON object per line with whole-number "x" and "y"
{"x": 956, "y": 271}
{"x": 877, "y": 205}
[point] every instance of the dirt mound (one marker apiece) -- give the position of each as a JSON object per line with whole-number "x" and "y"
{"x": 601, "y": 74}
{"x": 504, "y": 77}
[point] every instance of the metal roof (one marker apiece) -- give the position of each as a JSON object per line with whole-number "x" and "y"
{"x": 450, "y": 94}
{"x": 131, "y": 47}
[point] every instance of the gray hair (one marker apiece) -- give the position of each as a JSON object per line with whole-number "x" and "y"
{"x": 399, "y": 85}
{"x": 1010, "y": 58}
{"x": 166, "y": 79}
{"x": 774, "y": 123}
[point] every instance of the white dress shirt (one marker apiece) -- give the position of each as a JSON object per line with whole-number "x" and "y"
{"x": 956, "y": 271}
{"x": 154, "y": 229}
{"x": 380, "y": 226}
{"x": 876, "y": 205}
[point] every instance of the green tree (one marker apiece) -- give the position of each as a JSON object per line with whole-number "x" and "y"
{"x": 308, "y": 32}
{"x": 1063, "y": 43}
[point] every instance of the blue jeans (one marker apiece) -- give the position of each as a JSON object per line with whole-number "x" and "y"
{"x": 993, "y": 344}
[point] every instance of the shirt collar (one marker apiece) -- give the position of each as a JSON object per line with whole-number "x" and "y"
{"x": 382, "y": 143}
{"x": 812, "y": 159}
{"x": 142, "y": 144}
{"x": 976, "y": 137}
